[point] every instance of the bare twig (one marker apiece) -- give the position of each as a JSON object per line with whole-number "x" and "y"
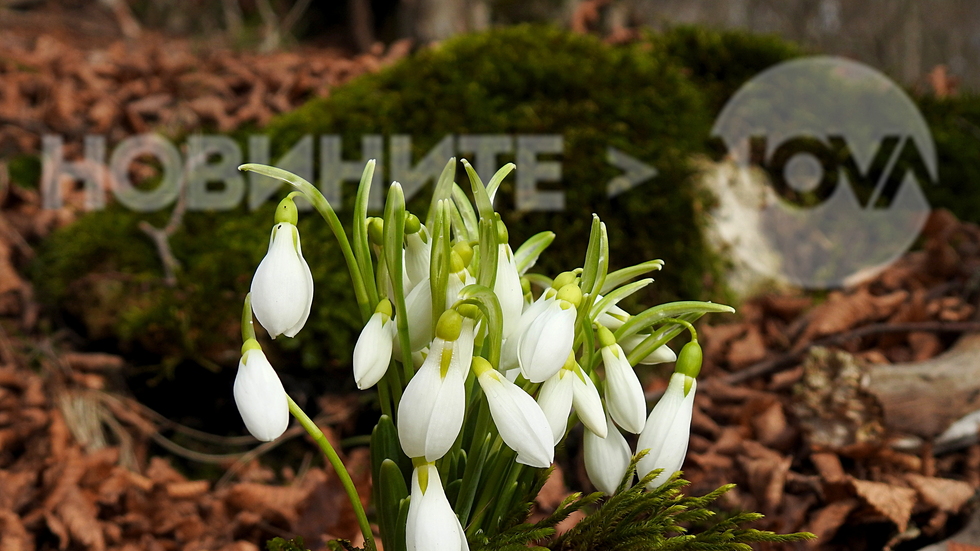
{"x": 789, "y": 359}
{"x": 161, "y": 238}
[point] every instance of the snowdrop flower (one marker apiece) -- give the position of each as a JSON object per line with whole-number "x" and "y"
{"x": 548, "y": 340}
{"x": 555, "y": 398}
{"x": 431, "y": 410}
{"x": 282, "y": 288}
{"x": 668, "y": 429}
{"x": 259, "y": 394}
{"x": 586, "y": 401}
{"x": 372, "y": 353}
{"x": 624, "y": 394}
{"x": 661, "y": 354}
{"x": 519, "y": 419}
{"x": 432, "y": 525}
{"x": 507, "y": 284}
{"x": 606, "y": 459}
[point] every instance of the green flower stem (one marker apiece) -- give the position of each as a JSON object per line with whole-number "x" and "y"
{"x": 338, "y": 466}
{"x": 322, "y": 206}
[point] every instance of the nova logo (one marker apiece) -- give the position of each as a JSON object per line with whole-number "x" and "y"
{"x": 847, "y": 155}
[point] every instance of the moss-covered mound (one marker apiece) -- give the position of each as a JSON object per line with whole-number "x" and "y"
{"x": 653, "y": 100}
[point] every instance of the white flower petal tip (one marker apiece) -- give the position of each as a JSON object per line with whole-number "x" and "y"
{"x": 588, "y": 404}
{"x": 519, "y": 419}
{"x": 545, "y": 345}
{"x": 606, "y": 459}
{"x": 260, "y": 397}
{"x": 282, "y": 287}
{"x": 668, "y": 431}
{"x": 432, "y": 525}
{"x": 372, "y": 352}
{"x": 555, "y": 399}
{"x": 430, "y": 414}
{"x": 624, "y": 394}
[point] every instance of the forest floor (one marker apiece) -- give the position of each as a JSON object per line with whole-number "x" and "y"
{"x": 805, "y": 401}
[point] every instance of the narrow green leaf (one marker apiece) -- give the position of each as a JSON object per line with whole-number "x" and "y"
{"x": 621, "y": 276}
{"x": 527, "y": 254}
{"x": 466, "y": 212}
{"x": 443, "y": 190}
{"x": 657, "y": 313}
{"x": 362, "y": 249}
{"x": 497, "y": 178}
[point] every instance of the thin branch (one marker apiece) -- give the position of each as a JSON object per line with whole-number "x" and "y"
{"x": 790, "y": 359}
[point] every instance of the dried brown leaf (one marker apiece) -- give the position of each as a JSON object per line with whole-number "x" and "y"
{"x": 943, "y": 493}
{"x": 893, "y": 502}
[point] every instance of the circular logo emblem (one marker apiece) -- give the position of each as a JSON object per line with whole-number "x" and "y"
{"x": 845, "y": 153}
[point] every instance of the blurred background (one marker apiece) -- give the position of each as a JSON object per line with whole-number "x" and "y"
{"x": 119, "y": 328}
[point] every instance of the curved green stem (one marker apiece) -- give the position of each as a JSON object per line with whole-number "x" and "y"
{"x": 322, "y": 206}
{"x": 338, "y": 466}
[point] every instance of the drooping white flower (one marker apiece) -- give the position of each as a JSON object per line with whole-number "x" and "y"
{"x": 507, "y": 287}
{"x": 661, "y": 354}
{"x": 430, "y": 414}
{"x": 624, "y": 394}
{"x": 606, "y": 459}
{"x": 519, "y": 420}
{"x": 282, "y": 287}
{"x": 545, "y": 344}
{"x": 432, "y": 525}
{"x": 586, "y": 401}
{"x": 372, "y": 352}
{"x": 668, "y": 430}
{"x": 613, "y": 317}
{"x": 259, "y": 394}
{"x": 555, "y": 399}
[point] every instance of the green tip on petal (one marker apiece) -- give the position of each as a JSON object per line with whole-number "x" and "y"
{"x": 606, "y": 337}
{"x": 412, "y": 223}
{"x": 250, "y": 344}
{"x": 689, "y": 360}
{"x": 449, "y": 326}
{"x": 286, "y": 212}
{"x": 570, "y": 362}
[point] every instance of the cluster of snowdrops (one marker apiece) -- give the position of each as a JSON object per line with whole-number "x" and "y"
{"x": 482, "y": 368}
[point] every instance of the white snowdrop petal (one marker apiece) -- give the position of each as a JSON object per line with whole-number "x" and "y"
{"x": 545, "y": 345}
{"x": 372, "y": 352}
{"x": 624, "y": 393}
{"x": 555, "y": 400}
{"x": 606, "y": 459}
{"x": 260, "y": 397}
{"x": 432, "y": 525}
{"x": 588, "y": 405}
{"x": 519, "y": 420}
{"x": 667, "y": 432}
